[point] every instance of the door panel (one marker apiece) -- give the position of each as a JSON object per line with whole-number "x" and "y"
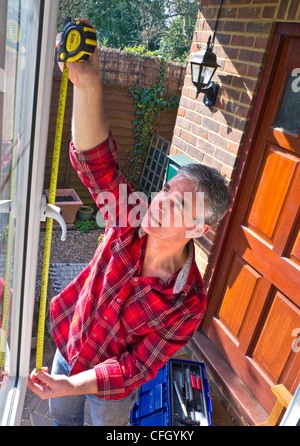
{"x": 242, "y": 281}
{"x": 254, "y": 301}
{"x": 271, "y": 350}
{"x": 274, "y": 199}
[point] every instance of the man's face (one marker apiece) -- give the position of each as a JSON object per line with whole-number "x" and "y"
{"x": 172, "y": 213}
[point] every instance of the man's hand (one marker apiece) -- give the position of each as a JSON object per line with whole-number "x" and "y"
{"x": 47, "y": 386}
{"x": 3, "y": 376}
{"x": 89, "y": 124}
{"x": 53, "y": 386}
{"x": 86, "y": 73}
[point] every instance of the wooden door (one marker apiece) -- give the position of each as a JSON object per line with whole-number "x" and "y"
{"x": 253, "y": 314}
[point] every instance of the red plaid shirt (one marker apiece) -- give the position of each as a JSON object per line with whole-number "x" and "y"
{"x": 110, "y": 318}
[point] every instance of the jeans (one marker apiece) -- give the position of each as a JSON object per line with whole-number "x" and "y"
{"x": 69, "y": 410}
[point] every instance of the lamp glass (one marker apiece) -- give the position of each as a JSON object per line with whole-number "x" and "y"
{"x": 206, "y": 74}
{"x": 195, "y": 72}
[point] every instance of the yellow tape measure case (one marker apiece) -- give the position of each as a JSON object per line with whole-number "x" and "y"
{"x": 78, "y": 41}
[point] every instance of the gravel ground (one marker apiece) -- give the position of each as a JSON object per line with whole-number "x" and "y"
{"x": 77, "y": 248}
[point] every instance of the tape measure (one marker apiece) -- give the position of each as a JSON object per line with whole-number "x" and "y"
{"x": 78, "y": 41}
{"x": 72, "y": 48}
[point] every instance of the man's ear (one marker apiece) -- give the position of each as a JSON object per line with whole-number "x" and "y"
{"x": 198, "y": 231}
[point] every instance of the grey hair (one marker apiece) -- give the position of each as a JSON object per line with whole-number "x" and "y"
{"x": 217, "y": 197}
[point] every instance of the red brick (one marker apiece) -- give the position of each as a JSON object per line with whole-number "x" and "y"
{"x": 226, "y": 171}
{"x": 181, "y": 111}
{"x": 254, "y": 71}
{"x": 251, "y": 56}
{"x": 261, "y": 42}
{"x": 282, "y": 10}
{"x": 292, "y": 13}
{"x": 233, "y": 147}
{"x": 234, "y": 26}
{"x": 230, "y": 93}
{"x": 235, "y": 67}
{"x": 225, "y": 157}
{"x": 244, "y": 83}
{"x": 210, "y": 124}
{"x": 212, "y": 162}
{"x": 239, "y": 40}
{"x": 194, "y": 152}
{"x": 239, "y": 124}
{"x": 205, "y": 146}
{"x": 246, "y": 98}
{"x": 187, "y": 103}
{"x": 188, "y": 137}
{"x": 249, "y": 12}
{"x": 217, "y": 140}
{"x": 229, "y": 12}
{"x": 269, "y": 12}
{"x": 192, "y": 116}
{"x": 179, "y": 143}
{"x": 259, "y": 27}
{"x": 199, "y": 131}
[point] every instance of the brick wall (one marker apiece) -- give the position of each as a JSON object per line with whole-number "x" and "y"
{"x": 215, "y": 136}
{"x": 119, "y": 71}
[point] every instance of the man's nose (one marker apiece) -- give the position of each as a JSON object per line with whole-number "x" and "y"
{"x": 164, "y": 203}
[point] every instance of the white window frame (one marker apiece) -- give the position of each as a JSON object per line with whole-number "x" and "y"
{"x": 26, "y": 263}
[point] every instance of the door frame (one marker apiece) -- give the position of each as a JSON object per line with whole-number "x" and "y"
{"x": 281, "y": 32}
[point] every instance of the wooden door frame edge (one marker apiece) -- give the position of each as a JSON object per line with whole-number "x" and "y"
{"x": 281, "y": 32}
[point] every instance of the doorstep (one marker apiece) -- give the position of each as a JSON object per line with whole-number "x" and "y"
{"x": 228, "y": 382}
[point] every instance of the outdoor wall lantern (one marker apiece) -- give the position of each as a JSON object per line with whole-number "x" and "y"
{"x": 203, "y": 67}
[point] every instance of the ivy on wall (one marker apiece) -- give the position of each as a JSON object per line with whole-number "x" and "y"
{"x": 149, "y": 104}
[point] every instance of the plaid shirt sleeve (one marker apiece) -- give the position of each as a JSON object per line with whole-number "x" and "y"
{"x": 99, "y": 171}
{"x": 117, "y": 377}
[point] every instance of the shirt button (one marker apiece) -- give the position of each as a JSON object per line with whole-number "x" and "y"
{"x": 94, "y": 334}
{"x": 135, "y": 279}
{"x": 118, "y": 300}
{"x": 106, "y": 317}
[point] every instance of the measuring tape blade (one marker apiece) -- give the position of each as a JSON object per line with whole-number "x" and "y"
{"x": 49, "y": 224}
{"x": 7, "y": 292}
{"x": 78, "y": 43}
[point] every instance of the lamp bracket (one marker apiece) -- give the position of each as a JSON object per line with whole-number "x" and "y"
{"x": 210, "y": 93}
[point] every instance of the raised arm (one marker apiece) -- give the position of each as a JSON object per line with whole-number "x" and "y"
{"x": 89, "y": 125}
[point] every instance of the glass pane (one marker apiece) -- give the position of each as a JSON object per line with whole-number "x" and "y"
{"x": 195, "y": 72}
{"x": 16, "y": 113}
{"x": 288, "y": 117}
{"x": 206, "y": 75}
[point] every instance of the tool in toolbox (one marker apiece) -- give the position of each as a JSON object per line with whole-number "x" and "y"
{"x": 174, "y": 397}
{"x": 77, "y": 44}
{"x": 193, "y": 410}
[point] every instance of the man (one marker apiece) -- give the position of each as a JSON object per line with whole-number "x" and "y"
{"x": 142, "y": 297}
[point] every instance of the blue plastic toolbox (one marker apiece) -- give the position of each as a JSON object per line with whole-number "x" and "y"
{"x": 177, "y": 396}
